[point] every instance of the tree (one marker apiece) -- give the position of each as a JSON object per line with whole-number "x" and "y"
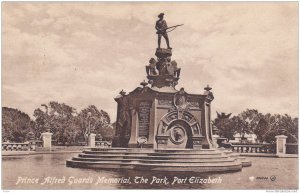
{"x": 69, "y": 127}
{"x": 261, "y": 129}
{"x": 224, "y": 125}
{"x": 97, "y": 121}
{"x": 59, "y": 119}
{"x": 281, "y": 124}
{"x": 15, "y": 125}
{"x": 289, "y": 127}
{"x": 248, "y": 122}
{"x": 40, "y": 121}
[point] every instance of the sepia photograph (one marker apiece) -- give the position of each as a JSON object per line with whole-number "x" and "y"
{"x": 150, "y": 95}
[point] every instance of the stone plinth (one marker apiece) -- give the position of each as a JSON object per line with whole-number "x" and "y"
{"x": 163, "y": 81}
{"x": 280, "y": 144}
{"x": 168, "y": 118}
{"x": 92, "y": 140}
{"x": 176, "y": 120}
{"x": 47, "y": 138}
{"x": 163, "y": 53}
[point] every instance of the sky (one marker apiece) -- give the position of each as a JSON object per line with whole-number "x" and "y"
{"x": 83, "y": 54}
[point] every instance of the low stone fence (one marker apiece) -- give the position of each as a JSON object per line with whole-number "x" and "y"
{"x": 38, "y": 146}
{"x": 61, "y": 148}
{"x": 27, "y": 146}
{"x": 254, "y": 148}
{"x": 103, "y": 144}
{"x": 280, "y": 148}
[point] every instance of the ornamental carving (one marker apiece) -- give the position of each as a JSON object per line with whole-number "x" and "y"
{"x": 165, "y": 102}
{"x": 177, "y": 134}
{"x": 167, "y": 120}
{"x": 180, "y": 100}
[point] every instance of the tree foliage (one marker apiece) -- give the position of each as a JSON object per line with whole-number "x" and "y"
{"x": 16, "y": 125}
{"x": 59, "y": 119}
{"x": 97, "y": 121}
{"x": 250, "y": 121}
{"x": 224, "y": 125}
{"x": 68, "y": 126}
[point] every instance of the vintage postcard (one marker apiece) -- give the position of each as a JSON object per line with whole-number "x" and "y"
{"x": 150, "y": 95}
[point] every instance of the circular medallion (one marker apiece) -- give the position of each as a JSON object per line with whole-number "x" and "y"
{"x": 180, "y": 101}
{"x": 177, "y": 134}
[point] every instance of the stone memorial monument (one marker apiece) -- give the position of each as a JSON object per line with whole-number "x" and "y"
{"x": 165, "y": 116}
{"x": 160, "y": 127}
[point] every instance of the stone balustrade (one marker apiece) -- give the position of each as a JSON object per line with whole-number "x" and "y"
{"x": 27, "y": 146}
{"x": 103, "y": 144}
{"x": 254, "y": 148}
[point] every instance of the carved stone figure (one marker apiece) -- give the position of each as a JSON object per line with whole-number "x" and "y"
{"x": 150, "y": 69}
{"x": 176, "y": 69}
{"x": 124, "y": 120}
{"x": 161, "y": 66}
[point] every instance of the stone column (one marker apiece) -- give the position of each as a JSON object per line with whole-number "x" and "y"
{"x": 206, "y": 144}
{"x": 151, "y": 138}
{"x": 134, "y": 127}
{"x": 280, "y": 144}
{"x": 47, "y": 140}
{"x": 92, "y": 140}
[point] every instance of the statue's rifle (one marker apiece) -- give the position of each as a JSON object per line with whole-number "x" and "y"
{"x": 172, "y": 28}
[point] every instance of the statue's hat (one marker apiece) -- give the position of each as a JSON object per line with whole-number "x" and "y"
{"x": 161, "y": 14}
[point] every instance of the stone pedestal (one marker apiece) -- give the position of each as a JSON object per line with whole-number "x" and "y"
{"x": 47, "y": 138}
{"x": 92, "y": 140}
{"x": 163, "y": 53}
{"x": 168, "y": 118}
{"x": 280, "y": 144}
{"x": 214, "y": 140}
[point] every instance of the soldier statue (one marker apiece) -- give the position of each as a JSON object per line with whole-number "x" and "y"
{"x": 161, "y": 27}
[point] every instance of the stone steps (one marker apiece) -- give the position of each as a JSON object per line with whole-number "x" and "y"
{"x": 211, "y": 160}
{"x": 145, "y": 156}
{"x": 138, "y": 151}
{"x": 162, "y": 164}
{"x": 152, "y": 153}
{"x": 199, "y": 167}
{"x": 156, "y": 160}
{"x": 127, "y": 150}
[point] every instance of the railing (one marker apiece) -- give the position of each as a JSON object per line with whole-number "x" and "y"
{"x": 27, "y": 146}
{"x": 98, "y": 143}
{"x": 103, "y": 144}
{"x": 291, "y": 148}
{"x": 254, "y": 148}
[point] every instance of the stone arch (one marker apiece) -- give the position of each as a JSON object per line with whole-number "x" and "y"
{"x": 178, "y": 129}
{"x": 185, "y": 116}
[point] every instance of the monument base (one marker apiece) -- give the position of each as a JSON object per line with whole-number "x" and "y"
{"x": 202, "y": 160}
{"x": 140, "y": 146}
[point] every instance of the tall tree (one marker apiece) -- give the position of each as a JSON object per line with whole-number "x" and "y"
{"x": 59, "y": 119}
{"x": 249, "y": 122}
{"x": 97, "y": 121}
{"x": 15, "y": 125}
{"x": 261, "y": 129}
{"x": 224, "y": 125}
